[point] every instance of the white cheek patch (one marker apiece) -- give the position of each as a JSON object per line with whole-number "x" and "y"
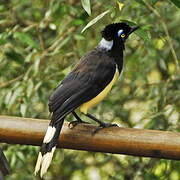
{"x": 120, "y": 32}
{"x": 104, "y": 44}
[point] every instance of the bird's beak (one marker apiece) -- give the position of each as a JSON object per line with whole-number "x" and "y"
{"x": 133, "y": 28}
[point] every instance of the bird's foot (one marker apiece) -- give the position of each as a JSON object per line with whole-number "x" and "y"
{"x": 103, "y": 125}
{"x": 106, "y": 125}
{"x": 72, "y": 124}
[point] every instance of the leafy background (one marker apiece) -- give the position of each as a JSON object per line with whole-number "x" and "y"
{"x": 40, "y": 41}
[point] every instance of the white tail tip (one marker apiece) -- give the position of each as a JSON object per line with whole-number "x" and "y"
{"x": 46, "y": 161}
{"x": 49, "y": 134}
{"x": 38, "y": 163}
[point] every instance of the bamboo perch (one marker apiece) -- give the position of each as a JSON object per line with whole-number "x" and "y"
{"x": 129, "y": 141}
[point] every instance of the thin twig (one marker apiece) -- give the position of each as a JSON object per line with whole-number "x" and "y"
{"x": 2, "y": 85}
{"x": 55, "y": 44}
{"x": 41, "y": 41}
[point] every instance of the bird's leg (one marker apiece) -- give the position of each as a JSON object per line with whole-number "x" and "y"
{"x": 72, "y": 124}
{"x": 77, "y": 117}
{"x": 101, "y": 124}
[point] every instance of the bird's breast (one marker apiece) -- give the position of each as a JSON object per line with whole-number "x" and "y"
{"x": 91, "y": 103}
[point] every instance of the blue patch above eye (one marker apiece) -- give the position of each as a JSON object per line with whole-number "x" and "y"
{"x": 120, "y": 32}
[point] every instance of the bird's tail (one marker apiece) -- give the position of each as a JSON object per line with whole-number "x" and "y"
{"x": 48, "y": 147}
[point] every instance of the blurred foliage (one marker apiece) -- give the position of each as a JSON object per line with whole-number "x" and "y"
{"x": 39, "y": 43}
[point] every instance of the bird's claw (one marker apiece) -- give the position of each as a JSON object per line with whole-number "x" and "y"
{"x": 72, "y": 124}
{"x": 104, "y": 125}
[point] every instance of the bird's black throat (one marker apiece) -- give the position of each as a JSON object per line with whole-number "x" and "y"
{"x": 117, "y": 53}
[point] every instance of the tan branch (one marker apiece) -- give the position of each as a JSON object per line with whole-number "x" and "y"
{"x": 129, "y": 141}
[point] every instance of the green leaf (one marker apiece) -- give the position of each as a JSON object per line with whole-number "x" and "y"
{"x": 129, "y": 22}
{"x": 142, "y": 33}
{"x": 87, "y": 6}
{"x": 77, "y": 22}
{"x": 26, "y": 39}
{"x": 140, "y": 2}
{"x": 95, "y": 20}
{"x": 36, "y": 65}
{"x": 21, "y": 156}
{"x": 2, "y": 41}
{"x": 23, "y": 108}
{"x": 8, "y": 97}
{"x": 13, "y": 55}
{"x": 30, "y": 88}
{"x": 79, "y": 37}
{"x": 15, "y": 95}
{"x": 176, "y": 2}
{"x": 13, "y": 160}
{"x": 153, "y": 2}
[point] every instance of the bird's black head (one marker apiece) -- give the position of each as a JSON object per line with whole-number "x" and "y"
{"x": 117, "y": 31}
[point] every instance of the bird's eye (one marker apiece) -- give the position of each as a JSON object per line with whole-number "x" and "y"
{"x": 122, "y": 35}
{"x": 119, "y": 32}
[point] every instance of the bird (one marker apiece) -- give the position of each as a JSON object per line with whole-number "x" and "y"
{"x": 84, "y": 87}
